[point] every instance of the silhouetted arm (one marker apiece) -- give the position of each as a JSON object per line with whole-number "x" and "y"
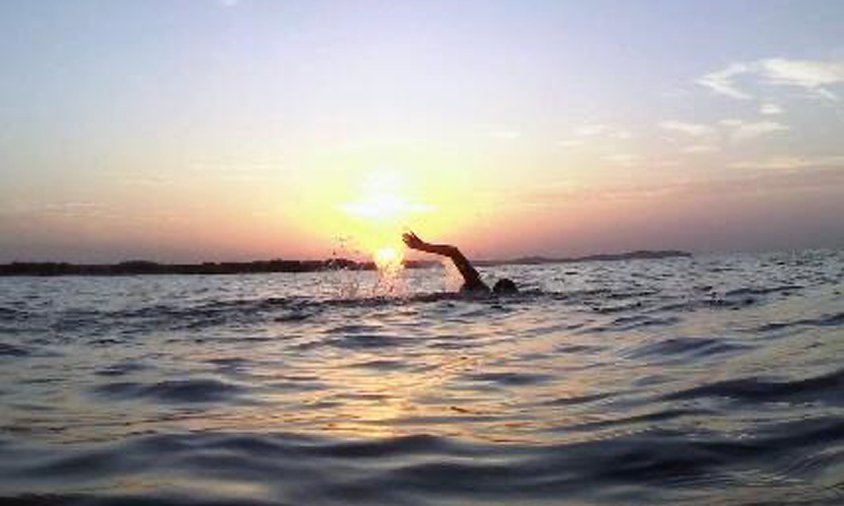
{"x": 471, "y": 278}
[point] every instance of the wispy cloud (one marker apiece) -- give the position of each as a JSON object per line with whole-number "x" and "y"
{"x": 589, "y": 133}
{"x": 592, "y": 130}
{"x": 570, "y": 143}
{"x": 740, "y": 130}
{"x": 813, "y": 76}
{"x": 790, "y": 162}
{"x": 623, "y": 159}
{"x": 698, "y": 138}
{"x": 812, "y": 179}
{"x": 723, "y": 81}
{"x": 701, "y": 148}
{"x": 504, "y": 134}
{"x": 691, "y": 129}
{"x": 59, "y": 209}
{"x": 499, "y": 131}
{"x": 770, "y": 109}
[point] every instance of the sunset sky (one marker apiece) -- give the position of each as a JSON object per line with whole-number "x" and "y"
{"x": 245, "y": 129}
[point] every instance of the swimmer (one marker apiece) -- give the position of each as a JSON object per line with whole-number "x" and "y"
{"x": 471, "y": 279}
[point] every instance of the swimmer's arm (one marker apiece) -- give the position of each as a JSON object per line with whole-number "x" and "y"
{"x": 467, "y": 270}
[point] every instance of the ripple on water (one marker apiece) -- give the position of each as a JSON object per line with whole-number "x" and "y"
{"x": 173, "y": 391}
{"x": 831, "y": 320}
{"x": 364, "y": 341}
{"x": 11, "y": 350}
{"x": 627, "y": 323}
{"x": 510, "y": 379}
{"x": 825, "y": 388}
{"x": 686, "y": 348}
{"x": 609, "y": 383}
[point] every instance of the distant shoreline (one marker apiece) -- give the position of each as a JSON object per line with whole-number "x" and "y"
{"x": 145, "y": 267}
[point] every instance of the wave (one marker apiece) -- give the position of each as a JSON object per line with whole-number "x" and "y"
{"x": 11, "y": 350}
{"x": 832, "y": 320}
{"x": 627, "y": 323}
{"x": 509, "y": 379}
{"x": 786, "y": 289}
{"x": 365, "y": 341}
{"x": 11, "y": 314}
{"x": 598, "y": 388}
{"x": 636, "y": 309}
{"x": 823, "y": 388}
{"x": 173, "y": 391}
{"x": 686, "y": 348}
{"x": 579, "y": 399}
{"x": 298, "y": 469}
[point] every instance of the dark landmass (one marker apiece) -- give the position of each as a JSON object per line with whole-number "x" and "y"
{"x": 136, "y": 267}
{"x": 609, "y": 257}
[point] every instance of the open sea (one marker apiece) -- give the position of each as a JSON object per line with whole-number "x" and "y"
{"x": 715, "y": 380}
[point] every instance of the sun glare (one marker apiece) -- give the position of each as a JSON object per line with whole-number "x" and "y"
{"x": 387, "y": 257}
{"x": 382, "y": 199}
{"x": 379, "y": 213}
{"x": 380, "y": 207}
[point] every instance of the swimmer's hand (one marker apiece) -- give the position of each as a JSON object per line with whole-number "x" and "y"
{"x": 413, "y": 242}
{"x": 471, "y": 278}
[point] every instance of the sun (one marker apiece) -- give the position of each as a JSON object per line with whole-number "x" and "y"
{"x": 387, "y": 257}
{"x": 378, "y": 214}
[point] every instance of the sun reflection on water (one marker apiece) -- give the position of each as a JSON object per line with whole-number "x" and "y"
{"x": 354, "y": 393}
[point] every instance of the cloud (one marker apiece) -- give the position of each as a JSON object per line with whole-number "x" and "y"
{"x": 592, "y": 130}
{"x": 722, "y": 81}
{"x": 805, "y": 73}
{"x": 499, "y": 131}
{"x": 790, "y": 162}
{"x": 570, "y": 143}
{"x": 691, "y": 129}
{"x": 585, "y": 134}
{"x": 813, "y": 76}
{"x": 61, "y": 209}
{"x": 770, "y": 109}
{"x": 701, "y": 148}
{"x": 505, "y": 134}
{"x": 812, "y": 179}
{"x": 743, "y": 131}
{"x": 610, "y": 131}
{"x": 623, "y": 159}
{"x": 703, "y": 138}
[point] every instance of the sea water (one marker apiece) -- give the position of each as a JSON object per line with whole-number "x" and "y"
{"x": 706, "y": 380}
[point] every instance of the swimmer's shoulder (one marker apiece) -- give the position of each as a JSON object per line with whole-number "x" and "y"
{"x": 474, "y": 289}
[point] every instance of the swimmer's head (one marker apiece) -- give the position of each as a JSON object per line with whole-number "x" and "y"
{"x": 504, "y": 286}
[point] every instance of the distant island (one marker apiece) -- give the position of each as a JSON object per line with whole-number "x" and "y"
{"x": 608, "y": 257}
{"x": 137, "y": 267}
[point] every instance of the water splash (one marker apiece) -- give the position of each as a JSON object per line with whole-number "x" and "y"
{"x": 389, "y": 260}
{"x": 389, "y": 263}
{"x": 347, "y": 284}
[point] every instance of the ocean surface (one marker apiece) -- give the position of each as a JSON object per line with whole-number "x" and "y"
{"x": 709, "y": 380}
